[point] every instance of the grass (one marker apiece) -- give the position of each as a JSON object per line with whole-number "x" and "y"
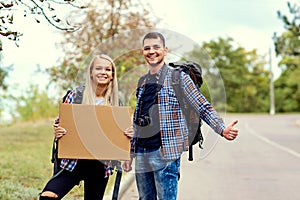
{"x": 25, "y": 166}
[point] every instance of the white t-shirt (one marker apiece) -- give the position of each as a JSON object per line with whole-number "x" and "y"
{"x": 99, "y": 100}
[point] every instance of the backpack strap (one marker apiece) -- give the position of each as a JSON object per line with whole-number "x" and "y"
{"x": 176, "y": 76}
{"x": 78, "y": 96}
{"x": 142, "y": 81}
{"x": 177, "y": 87}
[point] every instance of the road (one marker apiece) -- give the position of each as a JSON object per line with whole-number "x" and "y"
{"x": 263, "y": 163}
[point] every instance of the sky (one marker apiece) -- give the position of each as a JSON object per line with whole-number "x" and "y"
{"x": 250, "y": 23}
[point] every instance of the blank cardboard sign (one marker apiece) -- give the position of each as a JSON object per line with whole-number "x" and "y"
{"x": 94, "y": 132}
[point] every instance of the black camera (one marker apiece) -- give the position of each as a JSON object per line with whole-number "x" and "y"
{"x": 143, "y": 120}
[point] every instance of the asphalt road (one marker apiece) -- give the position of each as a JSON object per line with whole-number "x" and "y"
{"x": 263, "y": 163}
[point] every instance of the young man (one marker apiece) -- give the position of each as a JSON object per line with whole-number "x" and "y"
{"x": 160, "y": 130}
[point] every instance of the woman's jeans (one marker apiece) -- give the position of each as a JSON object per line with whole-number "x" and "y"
{"x": 156, "y": 178}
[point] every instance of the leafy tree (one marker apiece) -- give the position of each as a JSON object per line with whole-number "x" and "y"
{"x": 110, "y": 27}
{"x": 3, "y": 74}
{"x": 4, "y": 70}
{"x": 242, "y": 71}
{"x": 34, "y": 105}
{"x": 287, "y": 46}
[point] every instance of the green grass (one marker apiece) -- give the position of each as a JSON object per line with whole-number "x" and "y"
{"x": 25, "y": 166}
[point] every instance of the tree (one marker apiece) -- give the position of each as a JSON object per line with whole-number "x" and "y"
{"x": 47, "y": 9}
{"x": 242, "y": 71}
{"x": 4, "y": 71}
{"x": 288, "y": 43}
{"x": 3, "y": 86}
{"x": 34, "y": 105}
{"x": 110, "y": 27}
{"x": 287, "y": 46}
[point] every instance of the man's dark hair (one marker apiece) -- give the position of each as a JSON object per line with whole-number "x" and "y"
{"x": 154, "y": 35}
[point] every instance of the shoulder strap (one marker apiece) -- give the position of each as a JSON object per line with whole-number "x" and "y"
{"x": 176, "y": 76}
{"x": 142, "y": 81}
{"x": 66, "y": 95}
{"x": 177, "y": 87}
{"x": 78, "y": 95}
{"x": 163, "y": 75}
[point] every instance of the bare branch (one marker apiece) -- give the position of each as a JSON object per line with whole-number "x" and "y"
{"x": 69, "y": 2}
{"x": 6, "y": 5}
{"x": 50, "y": 21}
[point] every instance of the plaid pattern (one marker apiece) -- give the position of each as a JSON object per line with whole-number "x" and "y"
{"x": 69, "y": 164}
{"x": 108, "y": 168}
{"x": 174, "y": 131}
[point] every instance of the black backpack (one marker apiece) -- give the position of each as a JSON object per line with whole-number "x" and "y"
{"x": 193, "y": 120}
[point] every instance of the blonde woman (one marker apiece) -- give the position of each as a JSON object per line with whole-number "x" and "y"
{"x": 100, "y": 88}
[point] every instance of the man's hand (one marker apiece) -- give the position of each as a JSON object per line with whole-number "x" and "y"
{"x": 127, "y": 165}
{"x": 230, "y": 132}
{"x": 129, "y": 132}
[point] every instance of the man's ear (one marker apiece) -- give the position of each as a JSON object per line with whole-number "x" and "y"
{"x": 166, "y": 51}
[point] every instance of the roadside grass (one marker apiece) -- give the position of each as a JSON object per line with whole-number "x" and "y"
{"x": 25, "y": 166}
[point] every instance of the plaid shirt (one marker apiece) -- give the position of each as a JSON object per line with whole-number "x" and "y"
{"x": 69, "y": 164}
{"x": 173, "y": 127}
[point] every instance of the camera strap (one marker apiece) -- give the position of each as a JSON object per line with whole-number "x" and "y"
{"x": 160, "y": 80}
{"x": 145, "y": 80}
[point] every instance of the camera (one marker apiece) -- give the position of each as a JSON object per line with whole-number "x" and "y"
{"x": 143, "y": 120}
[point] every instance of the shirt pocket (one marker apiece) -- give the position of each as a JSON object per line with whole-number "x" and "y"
{"x": 172, "y": 103}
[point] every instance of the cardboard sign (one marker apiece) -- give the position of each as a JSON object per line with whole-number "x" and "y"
{"x": 94, "y": 132}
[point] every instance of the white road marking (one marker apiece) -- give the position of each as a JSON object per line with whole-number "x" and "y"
{"x": 283, "y": 148}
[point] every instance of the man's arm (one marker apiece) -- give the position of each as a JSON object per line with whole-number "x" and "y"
{"x": 206, "y": 110}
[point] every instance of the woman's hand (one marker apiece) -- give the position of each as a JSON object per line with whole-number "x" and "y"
{"x": 59, "y": 131}
{"x": 129, "y": 132}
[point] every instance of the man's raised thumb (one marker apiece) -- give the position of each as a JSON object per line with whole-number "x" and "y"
{"x": 234, "y": 122}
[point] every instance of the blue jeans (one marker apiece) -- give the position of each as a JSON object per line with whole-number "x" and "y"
{"x": 156, "y": 178}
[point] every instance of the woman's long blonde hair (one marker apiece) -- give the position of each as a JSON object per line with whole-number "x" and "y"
{"x": 111, "y": 95}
